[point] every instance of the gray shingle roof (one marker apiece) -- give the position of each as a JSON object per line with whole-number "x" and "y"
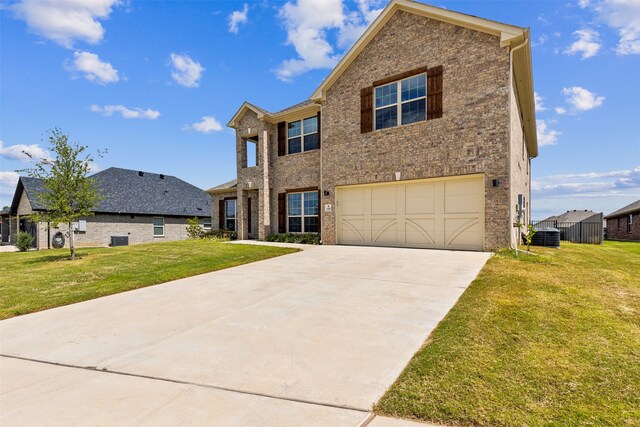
{"x": 226, "y": 186}
{"x": 143, "y": 193}
{"x": 572, "y": 216}
{"x": 633, "y": 207}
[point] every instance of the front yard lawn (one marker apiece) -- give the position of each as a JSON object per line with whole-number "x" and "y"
{"x": 547, "y": 340}
{"x": 33, "y": 281}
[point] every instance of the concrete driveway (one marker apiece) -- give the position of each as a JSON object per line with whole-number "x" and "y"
{"x": 312, "y": 338}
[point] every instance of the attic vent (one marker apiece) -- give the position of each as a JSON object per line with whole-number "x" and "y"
{"x": 161, "y": 176}
{"x": 140, "y": 173}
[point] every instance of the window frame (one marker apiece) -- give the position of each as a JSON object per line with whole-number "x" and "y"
{"x": 235, "y": 214}
{"x": 399, "y": 102}
{"x": 302, "y": 215}
{"x": 630, "y": 223}
{"x": 154, "y": 226}
{"x": 205, "y": 221}
{"x": 303, "y": 135}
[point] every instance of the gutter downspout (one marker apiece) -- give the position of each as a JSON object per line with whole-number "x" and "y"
{"x": 525, "y": 40}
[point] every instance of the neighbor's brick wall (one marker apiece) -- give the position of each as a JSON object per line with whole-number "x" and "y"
{"x": 101, "y": 227}
{"x": 471, "y": 137}
{"x": 520, "y": 165}
{"x": 617, "y": 228}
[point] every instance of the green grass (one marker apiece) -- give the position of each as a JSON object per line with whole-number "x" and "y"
{"x": 552, "y": 339}
{"x": 37, "y": 280}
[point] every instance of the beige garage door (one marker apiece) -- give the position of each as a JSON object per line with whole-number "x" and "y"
{"x": 439, "y": 213}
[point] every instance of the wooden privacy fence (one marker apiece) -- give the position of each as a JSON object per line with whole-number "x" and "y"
{"x": 576, "y": 232}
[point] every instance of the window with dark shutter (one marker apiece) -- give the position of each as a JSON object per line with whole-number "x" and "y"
{"x": 282, "y": 138}
{"x": 366, "y": 109}
{"x": 434, "y": 92}
{"x": 282, "y": 212}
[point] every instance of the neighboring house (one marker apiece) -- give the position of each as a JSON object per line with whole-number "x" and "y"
{"x": 421, "y": 136}
{"x": 143, "y": 207}
{"x": 577, "y": 226}
{"x": 624, "y": 224}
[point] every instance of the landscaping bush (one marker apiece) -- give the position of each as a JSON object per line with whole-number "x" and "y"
{"x": 303, "y": 238}
{"x": 220, "y": 235}
{"x": 194, "y": 230}
{"x": 24, "y": 241}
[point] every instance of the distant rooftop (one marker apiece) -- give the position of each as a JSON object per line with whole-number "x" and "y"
{"x": 631, "y": 208}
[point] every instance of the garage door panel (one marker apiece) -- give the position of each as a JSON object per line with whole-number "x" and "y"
{"x": 420, "y": 199}
{"x": 384, "y": 231}
{"x": 462, "y": 231}
{"x": 352, "y": 231}
{"x": 420, "y": 231}
{"x": 353, "y": 202}
{"x": 384, "y": 200}
{"x": 439, "y": 213}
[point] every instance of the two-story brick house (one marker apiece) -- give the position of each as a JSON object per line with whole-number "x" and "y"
{"x": 421, "y": 136}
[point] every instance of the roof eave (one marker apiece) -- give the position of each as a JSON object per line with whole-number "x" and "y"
{"x": 523, "y": 74}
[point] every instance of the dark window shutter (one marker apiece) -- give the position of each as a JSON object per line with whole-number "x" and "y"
{"x": 366, "y": 109}
{"x": 319, "y": 131}
{"x": 434, "y": 93}
{"x": 221, "y": 214}
{"x": 282, "y": 138}
{"x": 282, "y": 212}
{"x": 319, "y": 213}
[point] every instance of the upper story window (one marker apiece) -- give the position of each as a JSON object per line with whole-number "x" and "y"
{"x": 401, "y": 102}
{"x": 302, "y": 135}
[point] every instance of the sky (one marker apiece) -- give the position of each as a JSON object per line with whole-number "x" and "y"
{"x": 155, "y": 82}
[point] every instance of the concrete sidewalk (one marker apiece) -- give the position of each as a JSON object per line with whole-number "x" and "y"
{"x": 311, "y": 338}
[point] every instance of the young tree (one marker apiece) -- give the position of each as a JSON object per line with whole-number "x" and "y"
{"x": 68, "y": 193}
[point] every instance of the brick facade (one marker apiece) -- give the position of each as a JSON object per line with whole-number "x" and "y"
{"x": 480, "y": 131}
{"x": 617, "y": 227}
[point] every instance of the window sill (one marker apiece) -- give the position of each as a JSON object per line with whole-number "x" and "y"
{"x": 301, "y": 152}
{"x": 421, "y": 122}
{"x": 158, "y": 237}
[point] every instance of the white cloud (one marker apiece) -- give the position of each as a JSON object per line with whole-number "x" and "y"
{"x": 93, "y": 68}
{"x": 546, "y": 136}
{"x": 8, "y": 182}
{"x": 623, "y": 16}
{"x": 538, "y": 101}
{"x": 126, "y": 113}
{"x": 599, "y": 191}
{"x": 588, "y": 44}
{"x": 583, "y": 3}
{"x": 581, "y": 99}
{"x": 66, "y": 21}
{"x": 561, "y": 110}
{"x": 238, "y": 17}
{"x": 308, "y": 22}
{"x": 186, "y": 71}
{"x": 207, "y": 124}
{"x": 24, "y": 153}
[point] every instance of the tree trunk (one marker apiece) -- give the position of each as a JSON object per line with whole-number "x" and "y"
{"x": 71, "y": 242}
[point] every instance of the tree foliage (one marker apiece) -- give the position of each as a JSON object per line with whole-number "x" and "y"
{"x": 69, "y": 193}
{"x": 194, "y": 229}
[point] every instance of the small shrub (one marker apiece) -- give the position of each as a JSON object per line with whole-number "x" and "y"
{"x": 194, "y": 230}
{"x": 220, "y": 235}
{"x": 302, "y": 238}
{"x": 24, "y": 241}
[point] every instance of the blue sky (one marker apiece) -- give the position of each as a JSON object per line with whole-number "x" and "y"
{"x": 155, "y": 82}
